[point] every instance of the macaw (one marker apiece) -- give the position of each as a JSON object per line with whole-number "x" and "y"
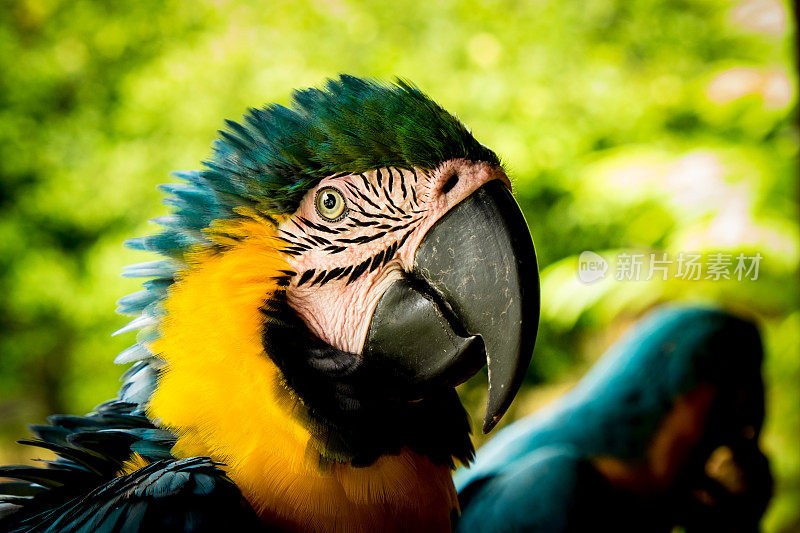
{"x": 661, "y": 433}
{"x": 337, "y": 268}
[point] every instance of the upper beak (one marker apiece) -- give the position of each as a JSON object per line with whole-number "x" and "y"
{"x": 472, "y": 299}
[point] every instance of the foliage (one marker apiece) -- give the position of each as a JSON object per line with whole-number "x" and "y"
{"x": 638, "y": 126}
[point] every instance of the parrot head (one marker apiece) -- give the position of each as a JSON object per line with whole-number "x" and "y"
{"x": 338, "y": 267}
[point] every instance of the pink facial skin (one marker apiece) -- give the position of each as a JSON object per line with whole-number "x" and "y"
{"x": 382, "y": 211}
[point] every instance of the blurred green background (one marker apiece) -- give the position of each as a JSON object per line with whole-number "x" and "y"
{"x": 637, "y": 125}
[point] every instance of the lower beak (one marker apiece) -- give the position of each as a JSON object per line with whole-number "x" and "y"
{"x": 472, "y": 299}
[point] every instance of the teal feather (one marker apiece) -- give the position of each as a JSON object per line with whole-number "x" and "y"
{"x": 151, "y": 269}
{"x": 147, "y": 335}
{"x": 135, "y": 303}
{"x": 130, "y": 371}
{"x": 137, "y": 352}
{"x": 138, "y": 388}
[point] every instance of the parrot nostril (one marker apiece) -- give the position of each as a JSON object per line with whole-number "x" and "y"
{"x": 450, "y": 183}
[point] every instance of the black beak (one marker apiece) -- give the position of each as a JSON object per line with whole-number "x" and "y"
{"x": 472, "y": 299}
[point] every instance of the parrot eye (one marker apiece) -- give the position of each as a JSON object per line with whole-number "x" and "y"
{"x": 330, "y": 204}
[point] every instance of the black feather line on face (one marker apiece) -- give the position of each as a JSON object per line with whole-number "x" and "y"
{"x": 368, "y": 185}
{"x": 363, "y": 239}
{"x": 319, "y": 227}
{"x": 345, "y": 272}
{"x": 357, "y": 409}
{"x": 370, "y": 214}
{"x": 391, "y": 178}
{"x": 320, "y": 240}
{"x": 391, "y": 203}
{"x": 357, "y": 271}
{"x": 362, "y": 223}
{"x": 306, "y": 276}
{"x": 404, "y": 226}
{"x": 319, "y": 278}
{"x": 389, "y": 253}
{"x": 298, "y": 226}
{"x": 366, "y": 199}
{"x": 376, "y": 261}
{"x": 389, "y": 206}
{"x": 335, "y": 273}
{"x": 405, "y": 236}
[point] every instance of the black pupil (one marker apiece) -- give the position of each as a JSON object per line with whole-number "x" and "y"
{"x": 329, "y": 200}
